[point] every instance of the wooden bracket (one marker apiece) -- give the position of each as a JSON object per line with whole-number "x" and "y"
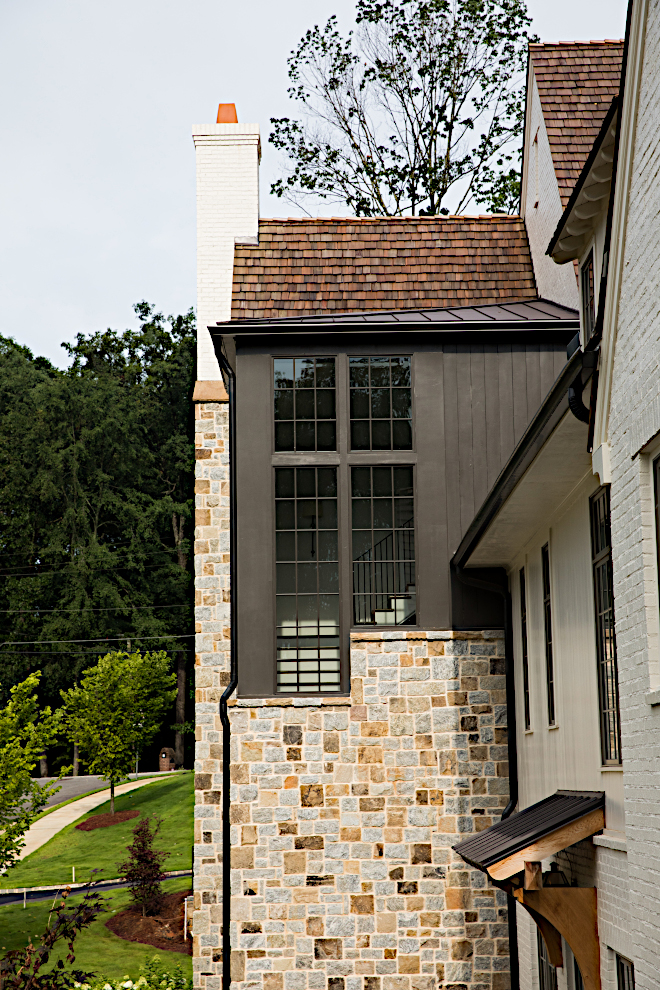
{"x": 571, "y": 912}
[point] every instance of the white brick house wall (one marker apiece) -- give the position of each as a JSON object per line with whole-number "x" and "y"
{"x": 634, "y": 389}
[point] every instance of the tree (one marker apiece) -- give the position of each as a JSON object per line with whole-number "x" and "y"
{"x": 96, "y": 489}
{"x": 25, "y": 730}
{"x": 423, "y": 102}
{"x": 143, "y": 868}
{"x": 23, "y": 967}
{"x": 116, "y": 710}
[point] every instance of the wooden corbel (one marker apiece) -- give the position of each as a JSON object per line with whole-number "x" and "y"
{"x": 571, "y": 912}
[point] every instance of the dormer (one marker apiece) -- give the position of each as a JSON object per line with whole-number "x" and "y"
{"x": 570, "y": 88}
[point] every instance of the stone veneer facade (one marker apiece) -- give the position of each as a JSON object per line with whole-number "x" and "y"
{"x": 344, "y": 810}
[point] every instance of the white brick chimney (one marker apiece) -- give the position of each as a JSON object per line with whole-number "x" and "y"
{"x": 227, "y": 210}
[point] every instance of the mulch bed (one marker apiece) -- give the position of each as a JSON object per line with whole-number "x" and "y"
{"x": 163, "y": 931}
{"x": 103, "y": 821}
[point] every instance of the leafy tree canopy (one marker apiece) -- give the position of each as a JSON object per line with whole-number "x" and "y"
{"x": 423, "y": 102}
{"x": 96, "y": 469}
{"x": 25, "y": 731}
{"x": 117, "y": 709}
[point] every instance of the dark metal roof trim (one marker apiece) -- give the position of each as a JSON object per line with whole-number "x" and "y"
{"x": 584, "y": 174}
{"x": 530, "y": 443}
{"x": 523, "y": 311}
{"x": 519, "y": 831}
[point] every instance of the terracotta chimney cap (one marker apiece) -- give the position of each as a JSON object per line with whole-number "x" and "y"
{"x": 227, "y": 114}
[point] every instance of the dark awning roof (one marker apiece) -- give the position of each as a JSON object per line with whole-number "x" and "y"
{"x": 528, "y": 310}
{"x": 528, "y": 827}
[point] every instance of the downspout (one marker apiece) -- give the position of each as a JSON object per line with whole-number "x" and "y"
{"x": 231, "y": 687}
{"x": 512, "y": 746}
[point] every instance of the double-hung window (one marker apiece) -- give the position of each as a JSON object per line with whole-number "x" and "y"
{"x": 608, "y": 684}
{"x": 344, "y": 510}
{"x": 547, "y": 972}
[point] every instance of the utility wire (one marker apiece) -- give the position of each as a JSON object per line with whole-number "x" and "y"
{"x": 97, "y": 639}
{"x": 113, "y": 608}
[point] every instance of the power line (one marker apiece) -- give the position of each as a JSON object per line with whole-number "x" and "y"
{"x": 113, "y": 608}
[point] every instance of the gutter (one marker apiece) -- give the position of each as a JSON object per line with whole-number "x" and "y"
{"x": 233, "y": 681}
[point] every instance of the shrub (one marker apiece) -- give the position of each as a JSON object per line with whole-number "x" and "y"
{"x": 153, "y": 976}
{"x": 143, "y": 868}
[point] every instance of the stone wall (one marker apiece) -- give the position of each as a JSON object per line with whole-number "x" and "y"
{"x": 344, "y": 810}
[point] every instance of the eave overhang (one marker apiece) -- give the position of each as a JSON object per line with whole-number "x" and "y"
{"x": 590, "y": 197}
{"x": 534, "y": 834}
{"x": 549, "y": 460}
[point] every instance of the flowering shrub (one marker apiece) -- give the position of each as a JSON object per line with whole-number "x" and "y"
{"x": 153, "y": 976}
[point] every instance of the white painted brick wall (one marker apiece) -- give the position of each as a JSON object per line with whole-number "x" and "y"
{"x": 636, "y": 385}
{"x": 227, "y": 209}
{"x": 554, "y": 282}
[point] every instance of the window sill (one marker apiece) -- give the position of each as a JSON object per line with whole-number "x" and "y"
{"x": 529, "y": 732}
{"x": 611, "y": 840}
{"x": 652, "y": 698}
{"x": 552, "y": 728}
{"x": 617, "y": 769}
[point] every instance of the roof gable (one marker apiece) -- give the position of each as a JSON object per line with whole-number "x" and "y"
{"x": 577, "y": 82}
{"x": 388, "y": 263}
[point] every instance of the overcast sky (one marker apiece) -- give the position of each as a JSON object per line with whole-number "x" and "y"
{"x": 97, "y": 183}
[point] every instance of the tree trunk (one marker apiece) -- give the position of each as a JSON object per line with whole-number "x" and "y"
{"x": 43, "y": 764}
{"x": 76, "y": 766}
{"x": 112, "y": 797}
{"x": 180, "y": 707}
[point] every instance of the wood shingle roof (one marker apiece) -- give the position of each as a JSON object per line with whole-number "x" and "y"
{"x": 348, "y": 265}
{"x": 577, "y": 81}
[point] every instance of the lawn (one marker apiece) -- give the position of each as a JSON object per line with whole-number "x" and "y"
{"x": 103, "y": 848}
{"x": 97, "y": 949}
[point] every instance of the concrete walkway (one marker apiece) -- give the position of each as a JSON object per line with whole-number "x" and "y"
{"x": 45, "y": 828}
{"x": 72, "y": 787}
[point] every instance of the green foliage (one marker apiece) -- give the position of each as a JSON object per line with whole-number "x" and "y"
{"x": 144, "y": 867}
{"x": 98, "y": 950}
{"x": 117, "y": 709}
{"x": 153, "y": 976}
{"x": 25, "y": 731}
{"x": 24, "y": 968}
{"x": 96, "y": 477}
{"x": 170, "y": 797}
{"x": 422, "y": 101}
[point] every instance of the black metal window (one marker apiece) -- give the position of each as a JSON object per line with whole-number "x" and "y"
{"x": 625, "y": 974}
{"x": 523, "y": 638}
{"x": 383, "y": 546}
{"x": 547, "y": 972}
{"x": 588, "y": 296}
{"x": 307, "y": 587}
{"x": 381, "y": 403}
{"x": 578, "y": 982}
{"x": 305, "y": 413}
{"x": 608, "y": 684}
{"x": 547, "y": 621}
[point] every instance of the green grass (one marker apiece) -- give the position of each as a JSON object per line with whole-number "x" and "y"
{"x": 103, "y": 848}
{"x": 97, "y": 949}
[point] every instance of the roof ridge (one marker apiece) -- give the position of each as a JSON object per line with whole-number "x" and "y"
{"x": 499, "y": 217}
{"x": 576, "y": 44}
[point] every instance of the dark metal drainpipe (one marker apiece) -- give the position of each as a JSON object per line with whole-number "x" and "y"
{"x": 231, "y": 687}
{"x": 503, "y": 590}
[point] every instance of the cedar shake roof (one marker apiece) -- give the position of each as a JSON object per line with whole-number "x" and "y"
{"x": 577, "y": 81}
{"x": 348, "y": 265}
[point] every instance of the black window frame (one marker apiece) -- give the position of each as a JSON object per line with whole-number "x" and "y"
{"x": 547, "y": 972}
{"x": 625, "y": 973}
{"x": 391, "y": 418}
{"x": 524, "y": 647}
{"x": 588, "y": 290}
{"x": 606, "y": 656}
{"x": 547, "y": 628}
{"x": 299, "y": 561}
{"x": 397, "y": 559}
{"x": 303, "y": 420}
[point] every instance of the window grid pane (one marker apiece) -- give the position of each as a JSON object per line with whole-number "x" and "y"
{"x": 305, "y": 404}
{"x": 608, "y": 686}
{"x": 307, "y": 585}
{"x": 547, "y": 972}
{"x": 547, "y": 620}
{"x": 625, "y": 974}
{"x": 525, "y": 656}
{"x": 383, "y": 542}
{"x": 381, "y": 409}
{"x": 588, "y": 297}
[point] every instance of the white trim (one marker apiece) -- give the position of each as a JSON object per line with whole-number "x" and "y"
{"x": 620, "y": 216}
